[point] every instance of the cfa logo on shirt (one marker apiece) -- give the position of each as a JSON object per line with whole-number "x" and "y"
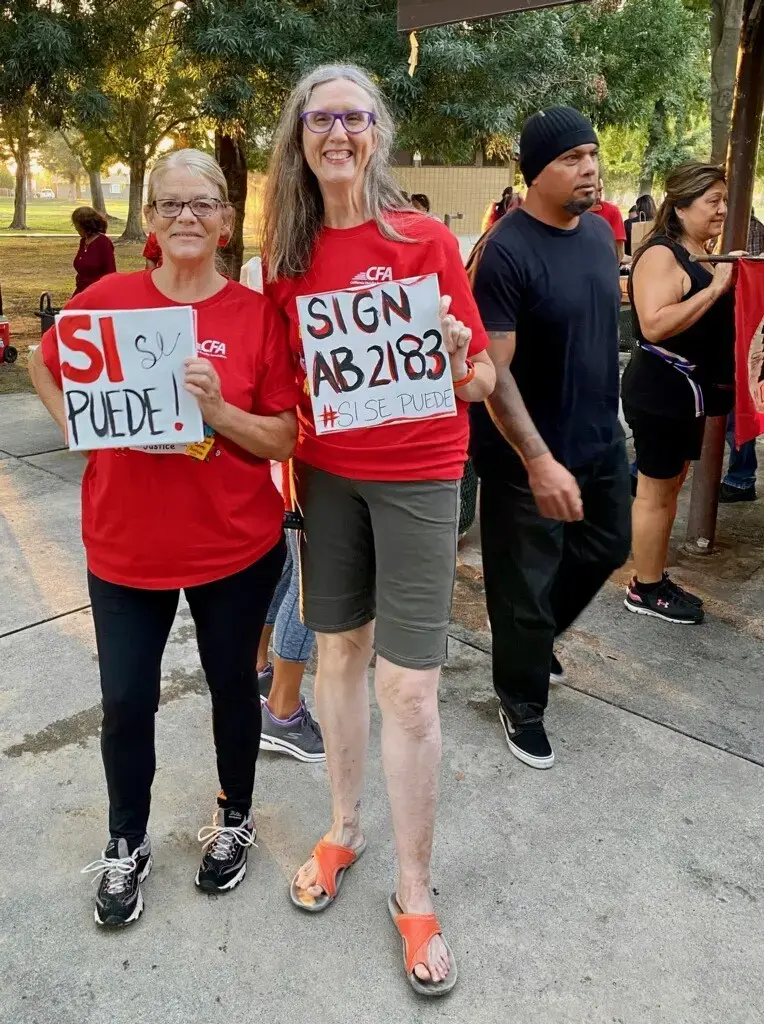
{"x": 211, "y": 348}
{"x": 373, "y": 275}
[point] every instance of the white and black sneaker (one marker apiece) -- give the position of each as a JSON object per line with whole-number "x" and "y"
{"x": 299, "y": 736}
{"x": 556, "y": 671}
{"x": 685, "y": 594}
{"x": 224, "y": 854}
{"x": 665, "y": 601}
{"x": 119, "y": 900}
{"x": 528, "y": 743}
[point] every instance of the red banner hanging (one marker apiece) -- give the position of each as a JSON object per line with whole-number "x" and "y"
{"x": 749, "y": 351}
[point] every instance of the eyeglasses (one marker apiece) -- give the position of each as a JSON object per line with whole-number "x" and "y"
{"x": 322, "y": 121}
{"x": 200, "y": 208}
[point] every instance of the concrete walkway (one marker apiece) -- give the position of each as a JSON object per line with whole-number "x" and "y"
{"x": 622, "y": 887}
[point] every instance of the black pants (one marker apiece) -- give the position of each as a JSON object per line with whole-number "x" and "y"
{"x": 132, "y": 627}
{"x": 540, "y": 573}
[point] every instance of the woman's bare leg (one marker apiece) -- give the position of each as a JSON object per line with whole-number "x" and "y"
{"x": 652, "y": 517}
{"x": 411, "y": 753}
{"x": 342, "y": 702}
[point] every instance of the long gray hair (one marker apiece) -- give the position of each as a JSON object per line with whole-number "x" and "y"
{"x": 294, "y": 207}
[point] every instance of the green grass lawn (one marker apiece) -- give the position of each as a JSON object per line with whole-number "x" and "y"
{"x": 54, "y": 215}
{"x": 30, "y": 266}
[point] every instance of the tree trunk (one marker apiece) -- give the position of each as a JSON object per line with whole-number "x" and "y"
{"x": 726, "y": 21}
{"x": 231, "y": 154}
{"x": 19, "y": 222}
{"x": 654, "y": 136}
{"x": 96, "y": 193}
{"x": 134, "y": 227}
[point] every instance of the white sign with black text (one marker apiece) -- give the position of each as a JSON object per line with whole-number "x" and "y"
{"x": 122, "y": 374}
{"x": 374, "y": 354}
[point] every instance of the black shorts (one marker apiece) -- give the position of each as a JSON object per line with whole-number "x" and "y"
{"x": 664, "y": 444}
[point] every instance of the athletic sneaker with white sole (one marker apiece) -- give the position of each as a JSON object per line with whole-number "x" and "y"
{"x": 224, "y": 854}
{"x": 556, "y": 671}
{"x": 299, "y": 736}
{"x": 666, "y": 602}
{"x": 265, "y": 682}
{"x": 528, "y": 743}
{"x": 119, "y": 900}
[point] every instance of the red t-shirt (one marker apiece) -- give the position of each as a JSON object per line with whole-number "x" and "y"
{"x": 152, "y": 249}
{"x": 611, "y": 213}
{"x": 434, "y": 449}
{"x": 165, "y": 521}
{"x": 93, "y": 261}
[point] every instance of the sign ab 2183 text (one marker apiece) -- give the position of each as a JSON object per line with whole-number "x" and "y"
{"x": 376, "y": 355}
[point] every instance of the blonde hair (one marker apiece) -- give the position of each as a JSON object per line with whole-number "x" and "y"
{"x": 203, "y": 166}
{"x": 200, "y": 164}
{"x": 294, "y": 207}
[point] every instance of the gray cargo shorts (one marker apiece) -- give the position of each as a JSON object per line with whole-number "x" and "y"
{"x": 383, "y": 550}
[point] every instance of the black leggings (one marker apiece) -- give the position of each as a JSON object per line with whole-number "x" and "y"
{"x": 132, "y": 627}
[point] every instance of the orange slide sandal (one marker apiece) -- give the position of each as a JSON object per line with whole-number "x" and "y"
{"x": 416, "y": 930}
{"x": 333, "y": 861}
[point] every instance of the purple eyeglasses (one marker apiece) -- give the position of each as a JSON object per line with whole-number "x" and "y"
{"x": 322, "y": 121}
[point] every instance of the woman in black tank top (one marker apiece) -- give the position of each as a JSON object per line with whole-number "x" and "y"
{"x": 682, "y": 371}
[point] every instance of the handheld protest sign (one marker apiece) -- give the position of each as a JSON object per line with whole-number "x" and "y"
{"x": 122, "y": 374}
{"x": 375, "y": 355}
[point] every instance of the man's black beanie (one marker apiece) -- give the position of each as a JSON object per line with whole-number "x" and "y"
{"x": 548, "y": 134}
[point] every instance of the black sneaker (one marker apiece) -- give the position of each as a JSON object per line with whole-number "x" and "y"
{"x": 728, "y": 495}
{"x": 528, "y": 743}
{"x": 119, "y": 900}
{"x": 556, "y": 671}
{"x": 226, "y": 843}
{"x": 300, "y": 736}
{"x": 691, "y": 598}
{"x": 265, "y": 682}
{"x": 664, "y": 603}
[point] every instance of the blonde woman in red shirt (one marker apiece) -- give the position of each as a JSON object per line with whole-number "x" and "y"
{"x": 156, "y": 524}
{"x": 380, "y": 504}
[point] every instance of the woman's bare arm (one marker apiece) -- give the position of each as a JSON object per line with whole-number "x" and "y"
{"x": 49, "y": 392}
{"x": 659, "y": 284}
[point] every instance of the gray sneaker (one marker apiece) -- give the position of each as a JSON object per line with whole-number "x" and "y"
{"x": 300, "y": 737}
{"x": 264, "y": 682}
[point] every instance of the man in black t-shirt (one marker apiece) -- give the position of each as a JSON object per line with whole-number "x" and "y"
{"x": 547, "y": 445}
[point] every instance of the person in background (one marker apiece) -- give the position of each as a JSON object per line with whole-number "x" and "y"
{"x": 755, "y": 236}
{"x": 95, "y": 256}
{"x": 633, "y": 216}
{"x": 152, "y": 253}
{"x": 611, "y": 213}
{"x": 645, "y": 212}
{"x": 288, "y": 726}
{"x": 739, "y": 483}
{"x": 380, "y": 504}
{"x": 547, "y": 444}
{"x": 681, "y": 372}
{"x": 420, "y": 202}
{"x": 210, "y": 525}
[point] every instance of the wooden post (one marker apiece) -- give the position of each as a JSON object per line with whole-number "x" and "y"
{"x": 741, "y": 168}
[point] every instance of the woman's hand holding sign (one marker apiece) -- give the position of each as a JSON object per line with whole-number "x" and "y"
{"x": 203, "y": 383}
{"x": 456, "y": 338}
{"x": 268, "y": 437}
{"x": 473, "y": 380}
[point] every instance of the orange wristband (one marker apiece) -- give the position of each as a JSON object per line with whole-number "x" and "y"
{"x": 470, "y": 375}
